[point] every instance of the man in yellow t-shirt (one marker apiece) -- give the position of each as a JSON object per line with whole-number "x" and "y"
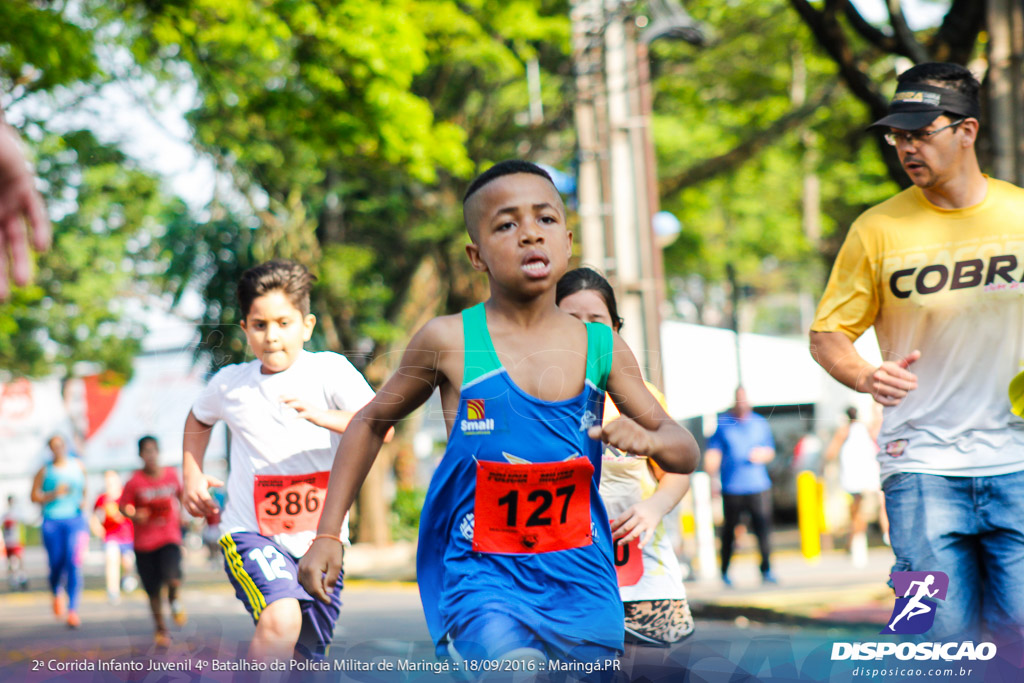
{"x": 938, "y": 271}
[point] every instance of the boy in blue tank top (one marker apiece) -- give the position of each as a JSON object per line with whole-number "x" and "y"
{"x": 515, "y": 555}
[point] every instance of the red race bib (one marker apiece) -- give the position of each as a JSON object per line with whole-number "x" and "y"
{"x": 532, "y": 508}
{"x": 289, "y": 503}
{"x": 629, "y": 563}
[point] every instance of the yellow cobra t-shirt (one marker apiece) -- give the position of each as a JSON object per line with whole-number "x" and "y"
{"x": 947, "y": 282}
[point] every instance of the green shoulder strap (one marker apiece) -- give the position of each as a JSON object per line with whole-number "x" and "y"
{"x": 599, "y": 354}
{"x": 479, "y": 357}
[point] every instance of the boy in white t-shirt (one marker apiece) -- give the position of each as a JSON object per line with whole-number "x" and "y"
{"x": 286, "y": 410}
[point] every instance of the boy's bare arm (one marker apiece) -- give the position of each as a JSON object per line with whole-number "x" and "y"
{"x": 334, "y": 420}
{"x": 196, "y": 498}
{"x": 648, "y": 430}
{"x": 410, "y": 387}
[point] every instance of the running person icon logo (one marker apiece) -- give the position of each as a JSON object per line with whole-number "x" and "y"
{"x": 914, "y": 613}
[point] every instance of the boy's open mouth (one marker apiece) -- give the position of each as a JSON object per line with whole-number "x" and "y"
{"x": 536, "y": 265}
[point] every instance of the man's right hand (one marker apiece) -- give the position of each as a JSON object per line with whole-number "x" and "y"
{"x": 196, "y": 498}
{"x": 891, "y": 381}
{"x": 320, "y": 567}
{"x": 18, "y": 201}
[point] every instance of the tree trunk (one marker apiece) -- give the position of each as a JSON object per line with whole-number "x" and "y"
{"x": 425, "y": 296}
{"x": 1002, "y": 123}
{"x": 374, "y": 505}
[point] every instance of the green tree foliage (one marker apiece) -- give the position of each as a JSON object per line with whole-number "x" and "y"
{"x": 352, "y": 128}
{"x": 740, "y": 125}
{"x": 105, "y": 208}
{"x": 75, "y": 311}
{"x": 40, "y": 49}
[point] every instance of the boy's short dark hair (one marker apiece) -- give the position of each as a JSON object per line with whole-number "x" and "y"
{"x": 503, "y": 168}
{"x": 290, "y": 278}
{"x": 145, "y": 439}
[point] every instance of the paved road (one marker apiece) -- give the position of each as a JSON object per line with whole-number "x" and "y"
{"x": 382, "y": 625}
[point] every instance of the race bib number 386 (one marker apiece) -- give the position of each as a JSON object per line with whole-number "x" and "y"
{"x": 532, "y": 508}
{"x": 289, "y": 503}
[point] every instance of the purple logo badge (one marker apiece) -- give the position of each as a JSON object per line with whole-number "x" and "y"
{"x": 914, "y": 613}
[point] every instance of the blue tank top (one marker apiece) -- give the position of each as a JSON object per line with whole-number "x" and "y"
{"x": 70, "y": 504}
{"x": 567, "y": 597}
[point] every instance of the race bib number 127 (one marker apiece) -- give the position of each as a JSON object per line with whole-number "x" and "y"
{"x": 532, "y": 508}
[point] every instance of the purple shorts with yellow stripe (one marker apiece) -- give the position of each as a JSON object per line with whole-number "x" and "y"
{"x": 262, "y": 571}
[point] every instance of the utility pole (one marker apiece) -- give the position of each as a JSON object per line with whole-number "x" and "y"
{"x": 618, "y": 185}
{"x": 588, "y": 50}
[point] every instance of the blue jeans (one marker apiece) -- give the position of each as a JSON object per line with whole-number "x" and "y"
{"x": 971, "y": 528}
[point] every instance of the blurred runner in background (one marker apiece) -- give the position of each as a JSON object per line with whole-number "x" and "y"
{"x": 150, "y": 500}
{"x": 854, "y": 446}
{"x": 115, "y": 529}
{"x": 60, "y": 488}
{"x": 14, "y": 547}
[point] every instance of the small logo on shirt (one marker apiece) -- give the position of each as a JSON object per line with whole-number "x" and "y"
{"x": 476, "y": 421}
{"x": 475, "y": 409}
{"x": 466, "y": 527}
{"x": 894, "y": 449}
{"x": 588, "y": 420}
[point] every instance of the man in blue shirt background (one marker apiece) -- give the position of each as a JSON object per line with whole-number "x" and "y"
{"x": 741, "y": 446}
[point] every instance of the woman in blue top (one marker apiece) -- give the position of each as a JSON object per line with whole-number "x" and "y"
{"x": 60, "y": 488}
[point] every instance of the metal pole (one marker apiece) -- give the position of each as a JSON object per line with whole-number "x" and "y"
{"x": 734, "y": 296}
{"x": 617, "y": 182}
{"x": 703, "y": 519}
{"x": 587, "y": 20}
{"x": 652, "y": 262}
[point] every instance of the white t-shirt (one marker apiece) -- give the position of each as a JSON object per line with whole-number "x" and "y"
{"x": 268, "y": 439}
{"x": 858, "y": 461}
{"x": 625, "y": 481}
